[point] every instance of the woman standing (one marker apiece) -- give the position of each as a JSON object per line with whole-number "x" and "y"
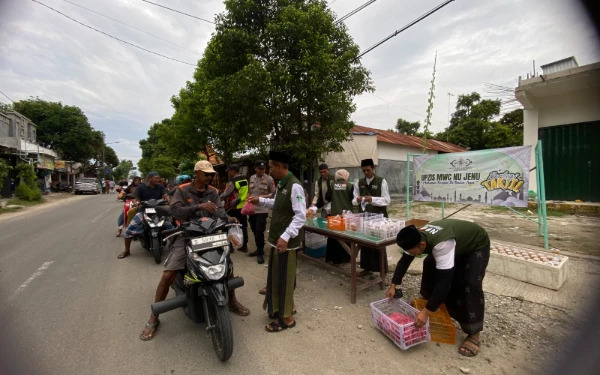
{"x": 341, "y": 197}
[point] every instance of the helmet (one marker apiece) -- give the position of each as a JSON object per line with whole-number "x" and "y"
{"x": 182, "y": 179}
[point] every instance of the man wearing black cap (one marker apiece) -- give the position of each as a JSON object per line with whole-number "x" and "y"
{"x": 261, "y": 185}
{"x": 238, "y": 184}
{"x": 152, "y": 189}
{"x": 322, "y": 186}
{"x": 458, "y": 253}
{"x": 371, "y": 194}
{"x": 287, "y": 220}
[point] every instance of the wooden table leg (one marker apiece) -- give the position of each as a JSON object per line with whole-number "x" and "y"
{"x": 353, "y": 254}
{"x": 382, "y": 274}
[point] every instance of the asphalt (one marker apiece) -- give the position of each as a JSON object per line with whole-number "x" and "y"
{"x": 69, "y": 306}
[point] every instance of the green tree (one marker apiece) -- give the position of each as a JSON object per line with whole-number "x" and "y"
{"x": 28, "y": 189}
{"x": 407, "y": 127}
{"x": 4, "y": 170}
{"x": 279, "y": 73}
{"x": 122, "y": 170}
{"x": 63, "y": 127}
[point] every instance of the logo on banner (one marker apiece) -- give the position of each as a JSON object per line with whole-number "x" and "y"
{"x": 461, "y": 164}
{"x": 503, "y": 181}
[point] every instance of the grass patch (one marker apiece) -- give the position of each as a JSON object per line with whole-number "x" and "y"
{"x": 20, "y": 202}
{"x": 7, "y": 210}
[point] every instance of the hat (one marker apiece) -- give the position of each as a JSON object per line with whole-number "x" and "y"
{"x": 204, "y": 166}
{"x": 323, "y": 166}
{"x": 342, "y": 174}
{"x": 233, "y": 167}
{"x": 260, "y": 164}
{"x": 151, "y": 174}
{"x": 279, "y": 156}
{"x": 408, "y": 237}
{"x": 367, "y": 163}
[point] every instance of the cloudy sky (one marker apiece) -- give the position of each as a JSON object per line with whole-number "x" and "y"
{"x": 124, "y": 90}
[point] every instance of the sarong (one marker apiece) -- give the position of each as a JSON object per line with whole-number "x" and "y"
{"x": 281, "y": 282}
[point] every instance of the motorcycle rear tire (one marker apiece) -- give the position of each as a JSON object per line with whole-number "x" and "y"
{"x": 222, "y": 333}
{"x": 156, "y": 250}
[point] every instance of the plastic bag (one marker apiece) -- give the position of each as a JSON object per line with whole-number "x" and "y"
{"x": 248, "y": 209}
{"x": 235, "y": 236}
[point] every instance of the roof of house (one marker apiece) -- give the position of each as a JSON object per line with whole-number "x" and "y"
{"x": 407, "y": 140}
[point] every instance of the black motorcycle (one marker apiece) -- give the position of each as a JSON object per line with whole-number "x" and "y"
{"x": 203, "y": 288}
{"x": 156, "y": 216}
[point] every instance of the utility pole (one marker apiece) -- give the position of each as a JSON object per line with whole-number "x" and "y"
{"x": 449, "y": 95}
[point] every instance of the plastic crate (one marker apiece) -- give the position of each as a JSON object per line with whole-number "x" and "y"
{"x": 440, "y": 324}
{"x": 386, "y": 316}
{"x": 356, "y": 222}
{"x": 314, "y": 240}
{"x": 335, "y": 223}
{"x": 384, "y": 228}
{"x": 318, "y": 252}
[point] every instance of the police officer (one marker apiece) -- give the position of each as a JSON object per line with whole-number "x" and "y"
{"x": 261, "y": 185}
{"x": 238, "y": 184}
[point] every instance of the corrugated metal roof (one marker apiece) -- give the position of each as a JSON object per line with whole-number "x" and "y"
{"x": 407, "y": 140}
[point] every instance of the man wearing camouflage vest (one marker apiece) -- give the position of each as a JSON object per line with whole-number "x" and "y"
{"x": 371, "y": 194}
{"x": 285, "y": 237}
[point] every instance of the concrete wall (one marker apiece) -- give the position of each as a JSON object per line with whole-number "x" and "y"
{"x": 4, "y": 126}
{"x": 390, "y": 151}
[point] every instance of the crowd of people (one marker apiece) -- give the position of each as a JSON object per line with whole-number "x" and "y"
{"x": 457, "y": 252}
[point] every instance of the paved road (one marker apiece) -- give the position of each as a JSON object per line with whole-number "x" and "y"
{"x": 71, "y": 307}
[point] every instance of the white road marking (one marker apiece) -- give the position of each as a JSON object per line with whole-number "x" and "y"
{"x": 35, "y": 274}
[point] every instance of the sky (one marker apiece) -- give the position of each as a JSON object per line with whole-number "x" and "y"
{"x": 124, "y": 90}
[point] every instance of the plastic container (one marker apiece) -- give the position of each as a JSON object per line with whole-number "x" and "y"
{"x": 356, "y": 222}
{"x": 395, "y": 319}
{"x": 384, "y": 228}
{"x": 441, "y": 327}
{"x": 335, "y": 223}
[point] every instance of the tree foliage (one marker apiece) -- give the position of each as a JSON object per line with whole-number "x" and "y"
{"x": 409, "y": 128}
{"x": 122, "y": 170}
{"x": 476, "y": 124}
{"x": 4, "y": 170}
{"x": 27, "y": 189}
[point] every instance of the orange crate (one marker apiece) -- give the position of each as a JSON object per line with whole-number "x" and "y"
{"x": 335, "y": 223}
{"x": 440, "y": 324}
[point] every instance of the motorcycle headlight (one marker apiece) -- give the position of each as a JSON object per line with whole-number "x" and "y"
{"x": 215, "y": 272}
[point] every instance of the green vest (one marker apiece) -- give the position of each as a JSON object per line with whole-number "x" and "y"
{"x": 468, "y": 236}
{"x": 341, "y": 197}
{"x": 241, "y": 186}
{"x": 282, "y": 213}
{"x": 371, "y": 190}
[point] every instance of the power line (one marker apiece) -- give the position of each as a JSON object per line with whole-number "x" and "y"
{"x": 405, "y": 27}
{"x": 175, "y": 10}
{"x": 407, "y": 110}
{"x": 342, "y": 19}
{"x": 6, "y": 96}
{"x": 110, "y": 36}
{"x": 133, "y": 27}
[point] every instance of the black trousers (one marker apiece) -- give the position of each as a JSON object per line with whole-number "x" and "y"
{"x": 243, "y": 219}
{"x": 258, "y": 224}
{"x": 465, "y": 301}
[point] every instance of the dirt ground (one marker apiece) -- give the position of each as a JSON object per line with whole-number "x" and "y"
{"x": 520, "y": 336}
{"x": 575, "y": 233}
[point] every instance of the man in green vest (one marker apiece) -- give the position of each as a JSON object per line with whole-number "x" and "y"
{"x": 371, "y": 194}
{"x": 238, "y": 184}
{"x": 322, "y": 186}
{"x": 458, "y": 253}
{"x": 285, "y": 237}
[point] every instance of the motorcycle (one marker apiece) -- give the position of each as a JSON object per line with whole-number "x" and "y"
{"x": 156, "y": 214}
{"x": 66, "y": 187}
{"x": 202, "y": 290}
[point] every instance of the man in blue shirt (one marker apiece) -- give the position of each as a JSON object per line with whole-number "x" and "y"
{"x": 152, "y": 189}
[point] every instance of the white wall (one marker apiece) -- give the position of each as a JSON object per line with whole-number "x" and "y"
{"x": 359, "y": 148}
{"x": 389, "y": 151}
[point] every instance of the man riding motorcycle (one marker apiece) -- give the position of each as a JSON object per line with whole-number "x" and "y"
{"x": 192, "y": 200}
{"x": 152, "y": 189}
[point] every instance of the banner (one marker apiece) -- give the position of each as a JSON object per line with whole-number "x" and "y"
{"x": 45, "y": 162}
{"x": 59, "y": 165}
{"x": 496, "y": 177}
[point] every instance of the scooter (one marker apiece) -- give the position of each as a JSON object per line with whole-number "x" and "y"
{"x": 156, "y": 215}
{"x": 202, "y": 290}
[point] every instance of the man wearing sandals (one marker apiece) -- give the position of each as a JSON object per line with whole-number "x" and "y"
{"x": 288, "y": 217}
{"x": 458, "y": 253}
{"x": 191, "y": 200}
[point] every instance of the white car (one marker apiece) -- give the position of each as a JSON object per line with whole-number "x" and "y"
{"x": 86, "y": 185}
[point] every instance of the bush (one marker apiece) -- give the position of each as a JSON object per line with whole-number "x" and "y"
{"x": 26, "y": 193}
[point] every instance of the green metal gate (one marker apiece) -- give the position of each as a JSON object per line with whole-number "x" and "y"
{"x": 572, "y": 161}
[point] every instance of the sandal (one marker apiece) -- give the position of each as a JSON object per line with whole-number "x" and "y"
{"x": 239, "y": 309}
{"x": 119, "y": 231}
{"x": 123, "y": 255}
{"x": 151, "y": 327}
{"x": 469, "y": 347}
{"x": 278, "y": 326}
{"x": 263, "y": 292}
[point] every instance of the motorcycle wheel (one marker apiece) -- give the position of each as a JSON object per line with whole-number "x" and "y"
{"x": 156, "y": 250}
{"x": 222, "y": 333}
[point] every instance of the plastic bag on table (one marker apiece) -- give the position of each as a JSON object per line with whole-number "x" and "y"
{"x": 248, "y": 209}
{"x": 235, "y": 236}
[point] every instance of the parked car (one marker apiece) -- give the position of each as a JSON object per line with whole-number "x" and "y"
{"x": 86, "y": 185}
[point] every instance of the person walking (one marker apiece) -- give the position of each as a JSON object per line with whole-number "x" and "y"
{"x": 111, "y": 185}
{"x": 371, "y": 194}
{"x": 261, "y": 185}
